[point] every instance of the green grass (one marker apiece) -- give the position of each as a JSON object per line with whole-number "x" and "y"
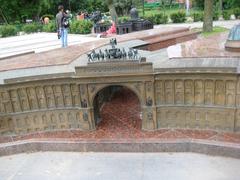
{"x": 216, "y": 30}
{"x": 167, "y": 11}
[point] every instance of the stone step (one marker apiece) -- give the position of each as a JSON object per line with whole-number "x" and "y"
{"x": 169, "y": 40}
{"x": 167, "y": 33}
{"x": 179, "y": 35}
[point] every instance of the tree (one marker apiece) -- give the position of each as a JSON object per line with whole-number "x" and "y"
{"x": 221, "y": 6}
{"x": 208, "y": 16}
{"x": 112, "y": 10}
{"x": 123, "y": 6}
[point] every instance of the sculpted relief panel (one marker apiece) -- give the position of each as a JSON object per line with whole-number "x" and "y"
{"x": 169, "y": 99}
{"x": 196, "y": 92}
{"x": 6, "y": 102}
{"x": 181, "y": 102}
{"x": 230, "y": 93}
{"x": 195, "y": 118}
{"x": 179, "y": 92}
{"x": 45, "y": 100}
{"x": 32, "y": 97}
{"x": 199, "y": 92}
{"x": 189, "y": 92}
{"x": 220, "y": 93}
{"x": 39, "y": 121}
{"x": 159, "y": 92}
{"x": 58, "y": 96}
{"x": 209, "y": 92}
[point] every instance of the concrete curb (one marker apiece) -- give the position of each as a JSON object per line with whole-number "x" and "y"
{"x": 195, "y": 146}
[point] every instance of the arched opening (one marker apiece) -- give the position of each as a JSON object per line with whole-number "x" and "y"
{"x": 117, "y": 107}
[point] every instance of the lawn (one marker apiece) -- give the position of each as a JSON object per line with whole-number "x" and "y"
{"x": 166, "y": 11}
{"x": 216, "y": 30}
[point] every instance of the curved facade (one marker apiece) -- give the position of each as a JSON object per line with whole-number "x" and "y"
{"x": 202, "y": 98}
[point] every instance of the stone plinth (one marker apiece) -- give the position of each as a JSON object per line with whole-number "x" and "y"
{"x": 231, "y": 45}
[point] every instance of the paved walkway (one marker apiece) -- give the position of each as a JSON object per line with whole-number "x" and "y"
{"x": 117, "y": 166}
{"x": 37, "y": 42}
{"x": 40, "y": 42}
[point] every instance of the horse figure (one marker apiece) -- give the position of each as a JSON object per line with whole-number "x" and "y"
{"x": 101, "y": 54}
{"x": 113, "y": 42}
{"x": 135, "y": 54}
{"x": 90, "y": 58}
{"x": 107, "y": 55}
{"x": 95, "y": 55}
{"x": 124, "y": 54}
{"x": 130, "y": 53}
{"x": 119, "y": 54}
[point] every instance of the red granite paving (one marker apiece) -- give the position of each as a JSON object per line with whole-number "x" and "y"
{"x": 67, "y": 55}
{"x": 210, "y": 46}
{"x": 121, "y": 122}
{"x": 201, "y": 47}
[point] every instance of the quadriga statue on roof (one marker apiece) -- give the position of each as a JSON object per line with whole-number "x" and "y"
{"x": 134, "y": 13}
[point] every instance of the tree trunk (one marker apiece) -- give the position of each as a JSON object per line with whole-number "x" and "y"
{"x": 3, "y": 16}
{"x": 208, "y": 16}
{"x": 113, "y": 12}
{"x": 221, "y": 7}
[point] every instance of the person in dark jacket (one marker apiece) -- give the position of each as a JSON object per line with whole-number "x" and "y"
{"x": 62, "y": 25}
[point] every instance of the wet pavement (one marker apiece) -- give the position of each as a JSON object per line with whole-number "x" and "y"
{"x": 117, "y": 166}
{"x": 210, "y": 46}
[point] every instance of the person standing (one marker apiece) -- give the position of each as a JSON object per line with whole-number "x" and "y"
{"x": 62, "y": 25}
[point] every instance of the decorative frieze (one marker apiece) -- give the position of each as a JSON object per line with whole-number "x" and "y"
{"x": 167, "y": 101}
{"x": 196, "y": 118}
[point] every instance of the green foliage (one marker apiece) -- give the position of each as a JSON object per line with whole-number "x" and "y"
{"x": 8, "y": 30}
{"x": 34, "y": 9}
{"x": 178, "y": 17}
{"x": 123, "y": 19}
{"x": 227, "y": 4}
{"x": 227, "y": 14}
{"x": 197, "y": 16}
{"x": 20, "y": 10}
{"x": 81, "y": 27}
{"x": 236, "y": 12}
{"x": 31, "y": 28}
{"x": 216, "y": 15}
{"x": 158, "y": 18}
{"x": 18, "y": 25}
{"x": 230, "y": 4}
{"x": 122, "y": 6}
{"x": 50, "y": 27}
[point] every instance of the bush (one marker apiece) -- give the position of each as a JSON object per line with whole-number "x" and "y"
{"x": 197, "y": 17}
{"x": 31, "y": 28}
{"x": 178, "y": 17}
{"x": 149, "y": 17}
{"x": 18, "y": 25}
{"x": 8, "y": 30}
{"x": 227, "y": 14}
{"x": 216, "y": 15}
{"x": 50, "y": 27}
{"x": 158, "y": 18}
{"x": 123, "y": 19}
{"x": 81, "y": 27}
{"x": 236, "y": 12}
